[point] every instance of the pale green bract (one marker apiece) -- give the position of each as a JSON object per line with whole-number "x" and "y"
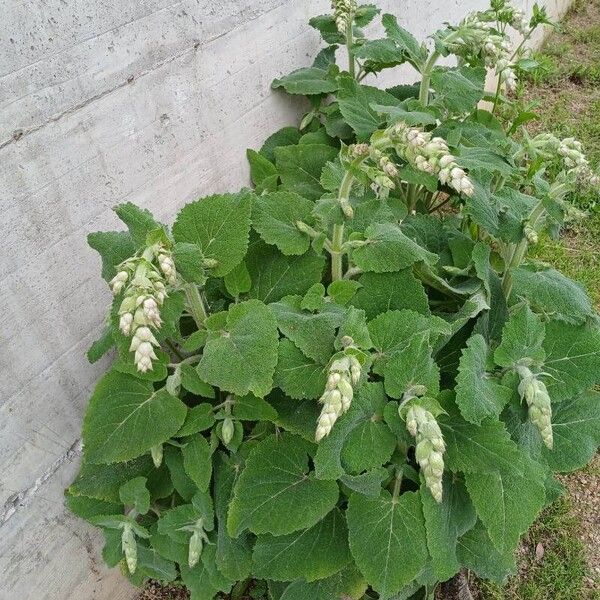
{"x": 373, "y": 292}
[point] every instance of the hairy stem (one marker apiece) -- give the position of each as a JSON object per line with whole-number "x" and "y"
{"x": 195, "y": 304}
{"x": 519, "y": 251}
{"x": 349, "y": 42}
{"x": 336, "y": 252}
{"x": 426, "y": 78}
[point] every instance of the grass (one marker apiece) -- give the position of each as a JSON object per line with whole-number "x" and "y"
{"x": 558, "y": 574}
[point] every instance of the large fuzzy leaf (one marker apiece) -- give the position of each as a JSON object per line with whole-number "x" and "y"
{"x": 300, "y": 167}
{"x": 387, "y": 539}
{"x": 241, "y": 351}
{"x": 388, "y": 249}
{"x": 126, "y": 417}
{"x": 276, "y": 493}
{"x": 315, "y": 553}
{"x": 478, "y": 394}
{"x": 274, "y": 216}
{"x": 553, "y": 293}
{"x": 572, "y": 362}
{"x": 445, "y": 522}
{"x": 219, "y": 224}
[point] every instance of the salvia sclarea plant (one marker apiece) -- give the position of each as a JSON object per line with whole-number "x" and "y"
{"x": 350, "y": 381}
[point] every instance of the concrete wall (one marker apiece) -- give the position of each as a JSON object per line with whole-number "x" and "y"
{"x": 105, "y": 101}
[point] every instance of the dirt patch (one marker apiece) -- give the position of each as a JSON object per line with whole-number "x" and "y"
{"x": 584, "y": 491}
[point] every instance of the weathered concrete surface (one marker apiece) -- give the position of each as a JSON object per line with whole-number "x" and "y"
{"x": 102, "y": 102}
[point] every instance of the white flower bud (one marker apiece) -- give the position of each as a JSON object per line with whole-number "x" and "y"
{"x": 195, "y": 549}
{"x": 421, "y": 424}
{"x": 129, "y": 547}
{"x": 125, "y": 323}
{"x": 156, "y": 452}
{"x": 117, "y": 283}
{"x": 227, "y": 431}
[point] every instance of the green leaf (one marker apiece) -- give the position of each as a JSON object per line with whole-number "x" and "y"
{"x": 388, "y": 249}
{"x": 522, "y": 337}
{"x": 275, "y": 275}
{"x": 482, "y": 159}
{"x": 412, "y": 366}
{"x": 89, "y": 508}
{"x": 276, "y": 493}
{"x": 300, "y": 167}
{"x": 410, "y": 117}
{"x": 380, "y": 292}
{"x": 125, "y": 418}
{"x": 234, "y": 555}
{"x": 191, "y": 381}
{"x": 478, "y": 394}
{"x": 476, "y": 552}
{"x": 325, "y": 57}
{"x": 393, "y": 330}
{"x": 153, "y": 565}
{"x": 238, "y": 280}
{"x": 315, "y": 553}
{"x": 135, "y": 493}
{"x": 364, "y": 14}
{"x": 251, "y": 408}
{"x": 197, "y": 461}
{"x": 576, "y": 429}
{"x": 199, "y": 418}
{"x": 307, "y": 81}
{"x": 296, "y": 417}
{"x": 325, "y": 24}
{"x": 368, "y": 483}
{"x": 484, "y": 448}
{"x": 345, "y": 585}
{"x": 169, "y": 548}
{"x": 197, "y": 581}
{"x": 188, "y": 261}
{"x": 182, "y": 483}
{"x": 458, "y": 89}
{"x": 241, "y": 353}
{"x": 261, "y": 168}
{"x": 274, "y": 217}
{"x": 114, "y": 247}
{"x": 194, "y": 341}
{"x": 387, "y": 539}
{"x": 343, "y": 290}
{"x": 552, "y": 293}
{"x": 139, "y": 221}
{"x": 445, "y": 522}
{"x": 368, "y": 445}
{"x": 507, "y": 502}
{"x": 355, "y": 100}
{"x": 313, "y": 333}
{"x": 296, "y": 374}
{"x": 404, "y": 39}
{"x": 572, "y": 362}
{"x": 287, "y": 136}
{"x": 101, "y": 346}
{"x": 102, "y": 482}
{"x": 380, "y": 54}
{"x": 219, "y": 224}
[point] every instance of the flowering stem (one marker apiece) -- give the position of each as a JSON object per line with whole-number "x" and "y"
{"x": 519, "y": 251}
{"x": 195, "y": 304}
{"x": 338, "y": 230}
{"x": 349, "y": 41}
{"x": 336, "y": 252}
{"x": 426, "y": 78}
